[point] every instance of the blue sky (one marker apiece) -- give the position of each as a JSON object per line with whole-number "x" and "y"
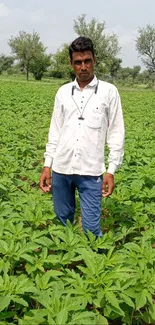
{"x": 54, "y": 19}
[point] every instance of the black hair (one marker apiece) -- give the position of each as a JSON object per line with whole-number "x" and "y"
{"x": 81, "y": 44}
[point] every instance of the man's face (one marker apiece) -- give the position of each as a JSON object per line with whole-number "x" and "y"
{"x": 83, "y": 65}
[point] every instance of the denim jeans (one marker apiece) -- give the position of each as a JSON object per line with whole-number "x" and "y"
{"x": 90, "y": 194}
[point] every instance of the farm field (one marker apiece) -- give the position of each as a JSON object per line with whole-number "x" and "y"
{"x": 51, "y": 275}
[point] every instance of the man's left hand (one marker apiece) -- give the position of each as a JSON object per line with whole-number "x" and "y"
{"x": 108, "y": 185}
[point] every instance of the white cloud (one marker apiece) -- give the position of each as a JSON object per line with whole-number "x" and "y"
{"x": 4, "y": 10}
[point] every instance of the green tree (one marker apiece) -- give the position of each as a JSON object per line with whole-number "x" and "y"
{"x": 114, "y": 66}
{"x": 145, "y": 45}
{"x": 106, "y": 46}
{"x": 40, "y": 65}
{"x": 135, "y": 71}
{"x": 61, "y": 63}
{"x": 6, "y": 62}
{"x": 124, "y": 73}
{"x": 27, "y": 47}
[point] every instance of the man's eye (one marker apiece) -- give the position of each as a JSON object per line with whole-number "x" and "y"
{"x": 88, "y": 61}
{"x": 77, "y": 62}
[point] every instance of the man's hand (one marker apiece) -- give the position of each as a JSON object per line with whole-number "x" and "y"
{"x": 108, "y": 185}
{"x": 45, "y": 180}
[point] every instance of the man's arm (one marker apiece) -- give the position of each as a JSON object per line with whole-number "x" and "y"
{"x": 115, "y": 141}
{"x": 53, "y": 136}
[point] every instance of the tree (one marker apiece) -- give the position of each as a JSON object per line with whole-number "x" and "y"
{"x": 145, "y": 77}
{"x": 124, "y": 73}
{"x": 40, "y": 65}
{"x": 27, "y": 47}
{"x": 106, "y": 46}
{"x": 61, "y": 63}
{"x": 128, "y": 74}
{"x": 6, "y": 62}
{"x": 135, "y": 71}
{"x": 145, "y": 45}
{"x": 114, "y": 66}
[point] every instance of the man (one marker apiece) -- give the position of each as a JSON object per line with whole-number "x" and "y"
{"x": 86, "y": 112}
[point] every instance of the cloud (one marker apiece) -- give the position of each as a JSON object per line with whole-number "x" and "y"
{"x": 4, "y": 10}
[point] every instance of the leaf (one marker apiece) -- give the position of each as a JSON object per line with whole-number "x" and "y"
{"x": 4, "y": 302}
{"x": 43, "y": 241}
{"x": 30, "y": 268}
{"x": 62, "y": 317}
{"x": 85, "y": 317}
{"x": 140, "y": 300}
{"x": 127, "y": 300}
{"x": 7, "y": 314}
{"x": 3, "y": 187}
{"x": 113, "y": 301}
{"x": 132, "y": 247}
{"x": 27, "y": 258}
{"x": 28, "y": 248}
{"x": 89, "y": 260}
{"x": 20, "y": 301}
{"x": 55, "y": 273}
{"x": 3, "y": 246}
{"x": 101, "y": 320}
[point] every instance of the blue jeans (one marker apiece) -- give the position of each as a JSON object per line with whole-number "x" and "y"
{"x": 90, "y": 194}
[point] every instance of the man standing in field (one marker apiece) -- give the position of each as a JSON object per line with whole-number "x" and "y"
{"x": 86, "y": 112}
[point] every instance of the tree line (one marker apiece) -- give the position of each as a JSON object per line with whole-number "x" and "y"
{"x": 29, "y": 54}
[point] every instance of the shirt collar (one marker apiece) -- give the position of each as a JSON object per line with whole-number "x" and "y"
{"x": 92, "y": 84}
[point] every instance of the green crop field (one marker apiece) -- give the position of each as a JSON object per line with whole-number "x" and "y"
{"x": 51, "y": 275}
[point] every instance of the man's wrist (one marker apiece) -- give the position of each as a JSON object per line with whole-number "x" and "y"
{"x": 111, "y": 168}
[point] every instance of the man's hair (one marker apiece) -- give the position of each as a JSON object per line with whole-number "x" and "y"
{"x": 81, "y": 44}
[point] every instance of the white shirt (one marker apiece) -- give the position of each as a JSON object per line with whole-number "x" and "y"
{"x": 76, "y": 146}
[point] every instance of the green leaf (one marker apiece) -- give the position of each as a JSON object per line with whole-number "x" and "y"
{"x": 3, "y": 246}
{"x": 113, "y": 301}
{"x": 43, "y": 241}
{"x": 4, "y": 302}
{"x": 62, "y": 317}
{"x": 132, "y": 247}
{"x": 3, "y": 187}
{"x": 27, "y": 258}
{"x": 140, "y": 300}
{"x": 20, "y": 301}
{"x": 85, "y": 317}
{"x": 7, "y": 314}
{"x": 90, "y": 261}
{"x": 101, "y": 320}
{"x": 127, "y": 300}
{"x": 55, "y": 273}
{"x": 30, "y": 268}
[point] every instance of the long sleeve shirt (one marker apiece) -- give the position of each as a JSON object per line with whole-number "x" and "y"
{"x": 82, "y": 121}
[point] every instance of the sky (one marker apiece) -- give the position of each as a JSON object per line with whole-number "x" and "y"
{"x": 54, "y": 21}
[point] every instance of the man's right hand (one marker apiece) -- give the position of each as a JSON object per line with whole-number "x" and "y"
{"x": 45, "y": 180}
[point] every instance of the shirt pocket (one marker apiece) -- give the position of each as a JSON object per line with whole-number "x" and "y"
{"x": 95, "y": 119}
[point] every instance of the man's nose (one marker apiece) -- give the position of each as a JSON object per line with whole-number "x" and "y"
{"x": 83, "y": 66}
